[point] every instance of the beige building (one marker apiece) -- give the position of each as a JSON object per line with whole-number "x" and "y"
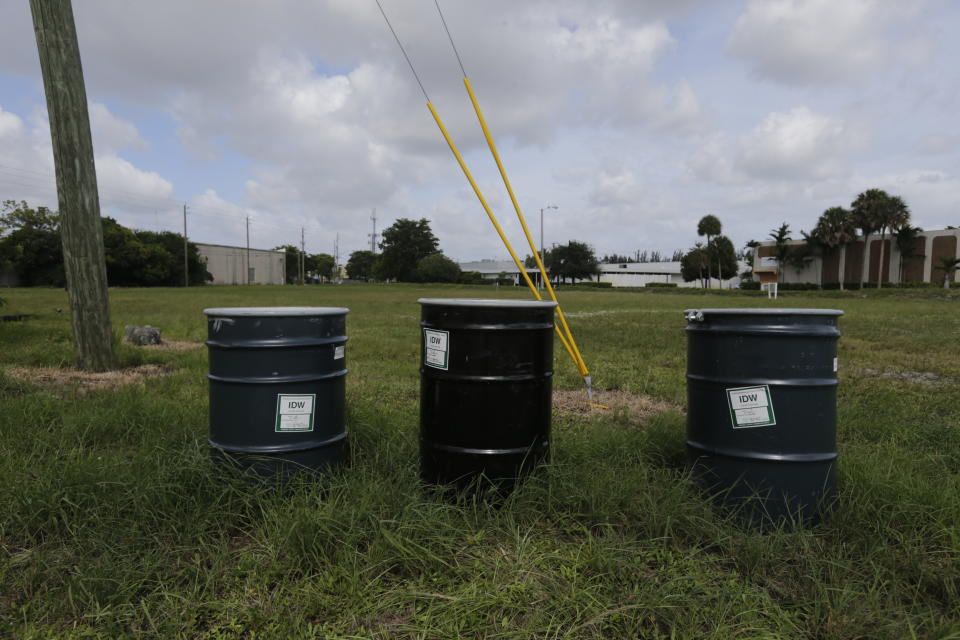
{"x": 848, "y": 261}
{"x": 229, "y": 264}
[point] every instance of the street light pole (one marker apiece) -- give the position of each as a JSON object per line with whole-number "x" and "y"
{"x": 543, "y": 256}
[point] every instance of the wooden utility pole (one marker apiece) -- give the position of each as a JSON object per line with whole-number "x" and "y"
{"x": 303, "y": 258}
{"x": 80, "y": 227}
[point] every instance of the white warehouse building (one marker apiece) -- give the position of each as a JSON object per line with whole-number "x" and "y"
{"x": 228, "y": 264}
{"x": 639, "y": 274}
{"x": 622, "y": 274}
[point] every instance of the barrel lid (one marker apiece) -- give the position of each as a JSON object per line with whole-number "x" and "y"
{"x": 766, "y": 312}
{"x": 488, "y": 302}
{"x": 276, "y": 311}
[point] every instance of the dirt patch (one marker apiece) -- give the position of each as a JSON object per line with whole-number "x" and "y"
{"x": 574, "y": 402}
{"x": 917, "y": 377}
{"x": 173, "y": 345}
{"x": 54, "y": 377}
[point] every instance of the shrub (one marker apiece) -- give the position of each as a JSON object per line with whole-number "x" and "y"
{"x": 472, "y": 277}
{"x": 749, "y": 285}
{"x": 662, "y": 285}
{"x": 593, "y": 285}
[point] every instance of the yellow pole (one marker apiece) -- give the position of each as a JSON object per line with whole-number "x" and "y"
{"x": 496, "y": 225}
{"x": 581, "y": 365}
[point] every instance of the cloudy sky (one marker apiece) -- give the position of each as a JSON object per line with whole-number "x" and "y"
{"x": 634, "y": 118}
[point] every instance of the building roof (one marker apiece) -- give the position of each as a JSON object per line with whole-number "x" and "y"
{"x": 493, "y": 266}
{"x": 227, "y": 246}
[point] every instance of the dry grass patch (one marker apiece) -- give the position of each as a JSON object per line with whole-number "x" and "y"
{"x": 574, "y": 402}
{"x": 55, "y": 377}
{"x": 173, "y": 345}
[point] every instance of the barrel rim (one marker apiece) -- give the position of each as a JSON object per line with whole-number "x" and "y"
{"x": 487, "y": 302}
{"x": 276, "y": 312}
{"x": 767, "y": 312}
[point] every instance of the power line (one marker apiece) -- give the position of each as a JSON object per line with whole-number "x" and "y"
{"x": 400, "y": 44}
{"x": 450, "y": 37}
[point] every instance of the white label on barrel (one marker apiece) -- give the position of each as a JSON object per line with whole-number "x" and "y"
{"x": 295, "y": 412}
{"x": 437, "y": 348}
{"x": 338, "y": 352}
{"x": 834, "y": 365}
{"x": 751, "y": 407}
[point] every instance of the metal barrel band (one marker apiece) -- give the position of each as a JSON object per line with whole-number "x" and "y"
{"x": 759, "y": 455}
{"x": 280, "y": 343}
{"x": 438, "y": 374}
{"x": 813, "y": 332}
{"x": 299, "y": 446}
{"x": 473, "y": 326}
{"x": 490, "y": 452}
{"x": 771, "y": 382}
{"x": 277, "y": 379}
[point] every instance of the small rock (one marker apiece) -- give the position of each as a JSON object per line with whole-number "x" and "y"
{"x": 141, "y": 336}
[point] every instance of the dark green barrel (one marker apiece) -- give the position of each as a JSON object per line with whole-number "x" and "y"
{"x": 277, "y": 381}
{"x": 485, "y": 388}
{"x": 762, "y": 410}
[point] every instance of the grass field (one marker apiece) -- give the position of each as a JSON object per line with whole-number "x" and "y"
{"x": 114, "y": 524}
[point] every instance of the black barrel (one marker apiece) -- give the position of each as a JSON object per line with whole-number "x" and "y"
{"x": 762, "y": 410}
{"x": 277, "y": 382}
{"x": 485, "y": 388}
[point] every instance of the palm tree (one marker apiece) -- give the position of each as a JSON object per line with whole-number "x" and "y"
{"x": 780, "y": 237}
{"x": 815, "y": 247}
{"x": 869, "y": 210}
{"x": 894, "y": 216}
{"x": 701, "y": 256}
{"x": 906, "y": 238}
{"x": 749, "y": 251}
{"x": 709, "y": 226}
{"x": 948, "y": 266}
{"x": 835, "y": 228}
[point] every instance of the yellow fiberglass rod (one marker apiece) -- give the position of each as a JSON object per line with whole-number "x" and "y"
{"x": 581, "y": 365}
{"x": 496, "y": 225}
{"x": 476, "y": 189}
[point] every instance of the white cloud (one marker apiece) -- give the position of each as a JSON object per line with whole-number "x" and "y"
{"x": 712, "y": 161}
{"x": 11, "y": 126}
{"x": 939, "y": 143}
{"x": 617, "y": 187}
{"x": 111, "y": 133}
{"x": 608, "y": 41}
{"x": 118, "y": 176}
{"x": 798, "y": 144}
{"x": 812, "y": 41}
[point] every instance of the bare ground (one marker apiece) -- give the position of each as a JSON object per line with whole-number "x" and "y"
{"x": 574, "y": 402}
{"x": 55, "y": 377}
{"x": 174, "y": 345}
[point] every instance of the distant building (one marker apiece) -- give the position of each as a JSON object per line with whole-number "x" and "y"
{"x": 229, "y": 264}
{"x": 848, "y": 260}
{"x": 492, "y": 269}
{"x": 619, "y": 274}
{"x": 639, "y": 274}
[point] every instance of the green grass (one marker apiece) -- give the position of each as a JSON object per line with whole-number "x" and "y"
{"x": 113, "y": 522}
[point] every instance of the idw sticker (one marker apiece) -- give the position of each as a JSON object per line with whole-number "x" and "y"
{"x": 437, "y": 346}
{"x": 750, "y": 407}
{"x": 295, "y": 412}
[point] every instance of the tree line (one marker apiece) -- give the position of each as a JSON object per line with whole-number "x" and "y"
{"x": 409, "y": 252}
{"x": 30, "y": 247}
{"x": 643, "y": 257}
